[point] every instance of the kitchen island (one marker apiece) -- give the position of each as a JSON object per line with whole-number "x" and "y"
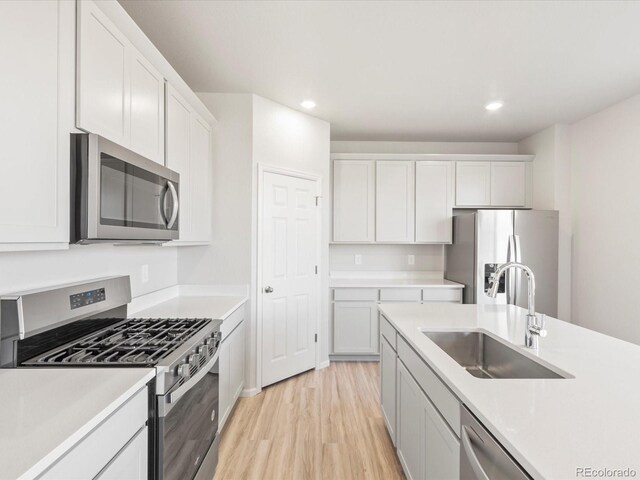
{"x": 552, "y": 427}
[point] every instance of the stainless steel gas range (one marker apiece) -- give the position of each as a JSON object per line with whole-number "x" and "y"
{"x": 85, "y": 325}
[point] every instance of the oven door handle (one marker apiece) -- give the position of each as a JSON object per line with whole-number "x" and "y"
{"x": 175, "y": 395}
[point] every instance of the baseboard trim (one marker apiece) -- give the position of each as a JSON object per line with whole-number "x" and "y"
{"x": 354, "y": 358}
{"x": 324, "y": 364}
{"x": 250, "y": 392}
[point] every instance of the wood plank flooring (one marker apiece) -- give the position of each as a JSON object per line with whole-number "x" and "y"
{"x": 323, "y": 424}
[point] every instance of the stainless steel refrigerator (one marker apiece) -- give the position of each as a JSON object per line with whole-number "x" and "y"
{"x": 484, "y": 239}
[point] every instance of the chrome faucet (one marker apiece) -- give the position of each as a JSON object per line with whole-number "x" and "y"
{"x": 535, "y": 323}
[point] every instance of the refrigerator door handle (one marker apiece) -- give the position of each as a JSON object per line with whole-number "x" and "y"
{"x": 511, "y": 257}
{"x": 518, "y": 274}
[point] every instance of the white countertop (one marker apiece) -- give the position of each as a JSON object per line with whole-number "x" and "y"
{"x": 551, "y": 426}
{"x": 46, "y": 411}
{"x": 196, "y": 306}
{"x": 392, "y": 282}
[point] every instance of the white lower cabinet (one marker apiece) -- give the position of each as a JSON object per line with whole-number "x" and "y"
{"x": 117, "y": 448}
{"x": 388, "y": 359}
{"x": 131, "y": 463}
{"x": 231, "y": 363}
{"x": 427, "y": 448}
{"x": 355, "y": 328}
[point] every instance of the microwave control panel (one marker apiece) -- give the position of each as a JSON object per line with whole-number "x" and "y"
{"x": 89, "y": 297}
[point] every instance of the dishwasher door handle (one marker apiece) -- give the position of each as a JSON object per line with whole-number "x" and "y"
{"x": 470, "y": 453}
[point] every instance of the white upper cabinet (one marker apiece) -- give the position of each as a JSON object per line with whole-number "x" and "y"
{"x": 189, "y": 154}
{"x": 353, "y": 201}
{"x": 103, "y": 71}
{"x": 37, "y": 98}
{"x": 120, "y": 95}
{"x": 147, "y": 109}
{"x": 473, "y": 184}
{"x": 395, "y": 201}
{"x": 434, "y": 201}
{"x": 508, "y": 184}
{"x": 200, "y": 228}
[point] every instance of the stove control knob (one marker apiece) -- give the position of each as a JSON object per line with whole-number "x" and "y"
{"x": 194, "y": 360}
{"x": 184, "y": 370}
{"x": 202, "y": 350}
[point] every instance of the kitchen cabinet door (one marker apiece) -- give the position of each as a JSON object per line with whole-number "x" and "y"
{"x": 395, "y": 201}
{"x": 200, "y": 181}
{"x": 189, "y": 154}
{"x": 353, "y": 201}
{"x": 147, "y": 109}
{"x": 434, "y": 201}
{"x": 103, "y": 76}
{"x": 131, "y": 462}
{"x": 473, "y": 184}
{"x": 508, "y": 184}
{"x": 179, "y": 153}
{"x": 231, "y": 372}
{"x": 236, "y": 360}
{"x": 37, "y": 98}
{"x": 411, "y": 435}
{"x": 355, "y": 328}
{"x": 442, "y": 446}
{"x": 388, "y": 359}
{"x": 428, "y": 449}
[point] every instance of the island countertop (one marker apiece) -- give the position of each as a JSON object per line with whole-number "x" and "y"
{"x": 551, "y": 427}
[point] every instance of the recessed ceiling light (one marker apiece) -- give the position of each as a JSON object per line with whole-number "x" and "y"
{"x": 308, "y": 104}
{"x": 493, "y": 106}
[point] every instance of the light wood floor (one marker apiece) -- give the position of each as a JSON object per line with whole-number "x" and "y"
{"x": 323, "y": 424}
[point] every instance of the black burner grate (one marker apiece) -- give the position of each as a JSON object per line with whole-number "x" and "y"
{"x": 132, "y": 342}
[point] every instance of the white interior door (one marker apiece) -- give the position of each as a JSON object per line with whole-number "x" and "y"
{"x": 289, "y": 286}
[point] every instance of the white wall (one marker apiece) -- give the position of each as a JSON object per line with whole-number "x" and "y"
{"x": 228, "y": 260}
{"x": 26, "y": 270}
{"x": 423, "y": 147}
{"x": 286, "y": 138}
{"x": 254, "y": 130}
{"x": 386, "y": 258}
{"x": 552, "y": 191}
{"x": 605, "y": 173}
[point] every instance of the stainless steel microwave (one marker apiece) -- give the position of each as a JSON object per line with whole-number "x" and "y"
{"x": 118, "y": 196}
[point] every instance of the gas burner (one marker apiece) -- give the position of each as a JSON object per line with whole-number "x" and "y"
{"x": 132, "y": 342}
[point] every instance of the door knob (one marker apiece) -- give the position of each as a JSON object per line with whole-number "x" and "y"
{"x": 268, "y": 290}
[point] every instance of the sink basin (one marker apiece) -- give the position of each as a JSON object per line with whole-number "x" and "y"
{"x": 485, "y": 357}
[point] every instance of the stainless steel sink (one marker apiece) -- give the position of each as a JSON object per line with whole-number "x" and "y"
{"x": 485, "y": 357}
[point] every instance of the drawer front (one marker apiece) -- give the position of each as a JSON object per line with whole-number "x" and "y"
{"x": 230, "y": 323}
{"x": 400, "y": 295}
{"x": 388, "y": 331}
{"x": 87, "y": 458}
{"x": 445, "y": 401}
{"x": 442, "y": 295}
{"x": 355, "y": 294}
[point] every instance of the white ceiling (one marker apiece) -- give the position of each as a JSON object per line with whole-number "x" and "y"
{"x": 408, "y": 70}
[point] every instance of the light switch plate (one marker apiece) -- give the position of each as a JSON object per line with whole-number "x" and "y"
{"x": 411, "y": 259}
{"x": 357, "y": 259}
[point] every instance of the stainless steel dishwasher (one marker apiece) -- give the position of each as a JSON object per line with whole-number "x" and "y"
{"x": 481, "y": 456}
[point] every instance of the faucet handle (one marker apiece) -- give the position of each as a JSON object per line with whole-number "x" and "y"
{"x": 538, "y": 327}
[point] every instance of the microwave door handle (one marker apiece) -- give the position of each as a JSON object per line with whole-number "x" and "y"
{"x": 176, "y": 205}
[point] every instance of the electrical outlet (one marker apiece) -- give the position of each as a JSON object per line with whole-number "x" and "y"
{"x": 144, "y": 273}
{"x": 357, "y": 259}
{"x": 411, "y": 259}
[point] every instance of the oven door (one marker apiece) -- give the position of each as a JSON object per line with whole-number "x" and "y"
{"x": 125, "y": 197}
{"x": 188, "y": 424}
